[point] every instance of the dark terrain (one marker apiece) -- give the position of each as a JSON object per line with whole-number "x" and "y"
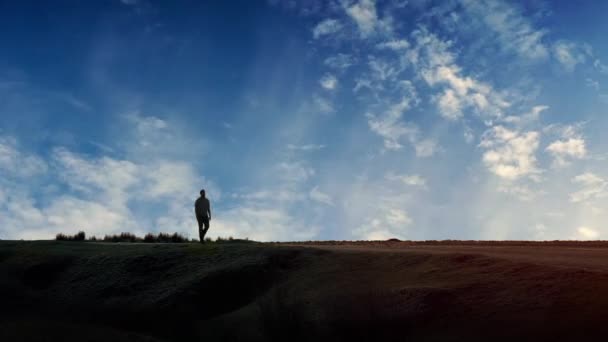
{"x": 346, "y": 291}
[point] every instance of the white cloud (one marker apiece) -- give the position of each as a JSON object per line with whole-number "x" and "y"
{"x": 436, "y": 65}
{"x": 569, "y": 54}
{"x": 281, "y": 195}
{"x": 340, "y": 61}
{"x": 587, "y": 233}
{"x": 521, "y": 192}
{"x": 363, "y": 12}
{"x": 528, "y": 118}
{"x": 74, "y": 214}
{"x": 16, "y": 163}
{"x": 390, "y": 127}
{"x": 321, "y": 197}
{"x": 326, "y": 27}
{"x": 564, "y": 131}
{"x": 592, "y": 187}
{"x": 329, "y": 82}
{"x": 397, "y": 217}
{"x": 172, "y": 179}
{"x": 261, "y": 224}
{"x": 396, "y": 45}
{"x": 414, "y": 180}
{"x": 323, "y": 105}
{"x": 307, "y": 147}
{"x": 513, "y": 31}
{"x": 563, "y": 150}
{"x": 294, "y": 171}
{"x": 601, "y": 67}
{"x": 426, "y": 147}
{"x": 592, "y": 83}
{"x": 102, "y": 177}
{"x": 510, "y": 154}
{"x": 104, "y": 194}
{"x": 450, "y": 105}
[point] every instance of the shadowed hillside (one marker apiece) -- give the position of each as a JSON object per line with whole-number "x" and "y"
{"x": 246, "y": 291}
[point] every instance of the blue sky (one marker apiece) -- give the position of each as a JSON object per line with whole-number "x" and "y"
{"x": 343, "y": 119}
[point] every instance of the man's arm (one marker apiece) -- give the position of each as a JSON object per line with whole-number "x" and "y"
{"x": 209, "y": 209}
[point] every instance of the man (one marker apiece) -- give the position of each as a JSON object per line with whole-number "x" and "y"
{"x": 202, "y": 209}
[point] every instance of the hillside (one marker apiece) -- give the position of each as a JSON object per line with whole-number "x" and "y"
{"x": 300, "y": 292}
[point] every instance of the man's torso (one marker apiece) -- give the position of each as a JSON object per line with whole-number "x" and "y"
{"x": 201, "y": 207}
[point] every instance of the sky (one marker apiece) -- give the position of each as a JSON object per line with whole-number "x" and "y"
{"x": 305, "y": 120}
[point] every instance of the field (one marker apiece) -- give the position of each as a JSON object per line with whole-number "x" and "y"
{"x": 303, "y": 291}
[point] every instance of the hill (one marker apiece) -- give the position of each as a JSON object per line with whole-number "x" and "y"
{"x": 240, "y": 291}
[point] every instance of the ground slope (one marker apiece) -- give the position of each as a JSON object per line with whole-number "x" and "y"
{"x": 259, "y": 292}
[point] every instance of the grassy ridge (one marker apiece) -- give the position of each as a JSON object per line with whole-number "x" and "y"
{"x": 143, "y": 289}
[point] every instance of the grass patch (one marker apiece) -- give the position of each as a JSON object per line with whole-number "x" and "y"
{"x": 127, "y": 237}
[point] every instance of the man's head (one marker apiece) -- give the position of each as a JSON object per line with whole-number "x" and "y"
{"x": 202, "y": 193}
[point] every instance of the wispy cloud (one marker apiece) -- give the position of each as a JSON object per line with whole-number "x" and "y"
{"x": 307, "y": 147}
{"x": 592, "y": 187}
{"x": 514, "y": 31}
{"x": 570, "y": 54}
{"x": 321, "y": 197}
{"x": 326, "y": 27}
{"x": 363, "y": 12}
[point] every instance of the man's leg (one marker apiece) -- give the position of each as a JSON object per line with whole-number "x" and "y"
{"x": 206, "y": 225}
{"x": 201, "y": 232}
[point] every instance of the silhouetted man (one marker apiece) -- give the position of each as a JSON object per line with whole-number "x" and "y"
{"x": 202, "y": 209}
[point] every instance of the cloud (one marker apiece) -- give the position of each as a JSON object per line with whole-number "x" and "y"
{"x": 99, "y": 193}
{"x": 601, "y": 67}
{"x": 395, "y": 45}
{"x": 521, "y": 192}
{"x": 510, "y": 27}
{"x": 329, "y": 82}
{"x": 569, "y": 54}
{"x": 307, "y": 147}
{"x": 398, "y": 217}
{"x": 382, "y": 70}
{"x": 592, "y": 83}
{"x": 340, "y": 61}
{"x": 527, "y": 118}
{"x": 587, "y": 233}
{"x": 294, "y": 171}
{"x": 436, "y": 65}
{"x": 390, "y": 127}
{"x": 510, "y": 154}
{"x": 261, "y": 224}
{"x": 563, "y": 150}
{"x": 414, "y": 180}
{"x": 363, "y": 12}
{"x": 426, "y": 147}
{"x": 281, "y": 194}
{"x": 16, "y": 163}
{"x": 323, "y": 105}
{"x": 592, "y": 187}
{"x": 326, "y": 27}
{"x": 321, "y": 197}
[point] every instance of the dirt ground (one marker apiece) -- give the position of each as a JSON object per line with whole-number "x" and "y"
{"x": 582, "y": 257}
{"x": 305, "y": 291}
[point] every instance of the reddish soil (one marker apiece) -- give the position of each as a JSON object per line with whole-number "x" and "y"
{"x": 458, "y": 291}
